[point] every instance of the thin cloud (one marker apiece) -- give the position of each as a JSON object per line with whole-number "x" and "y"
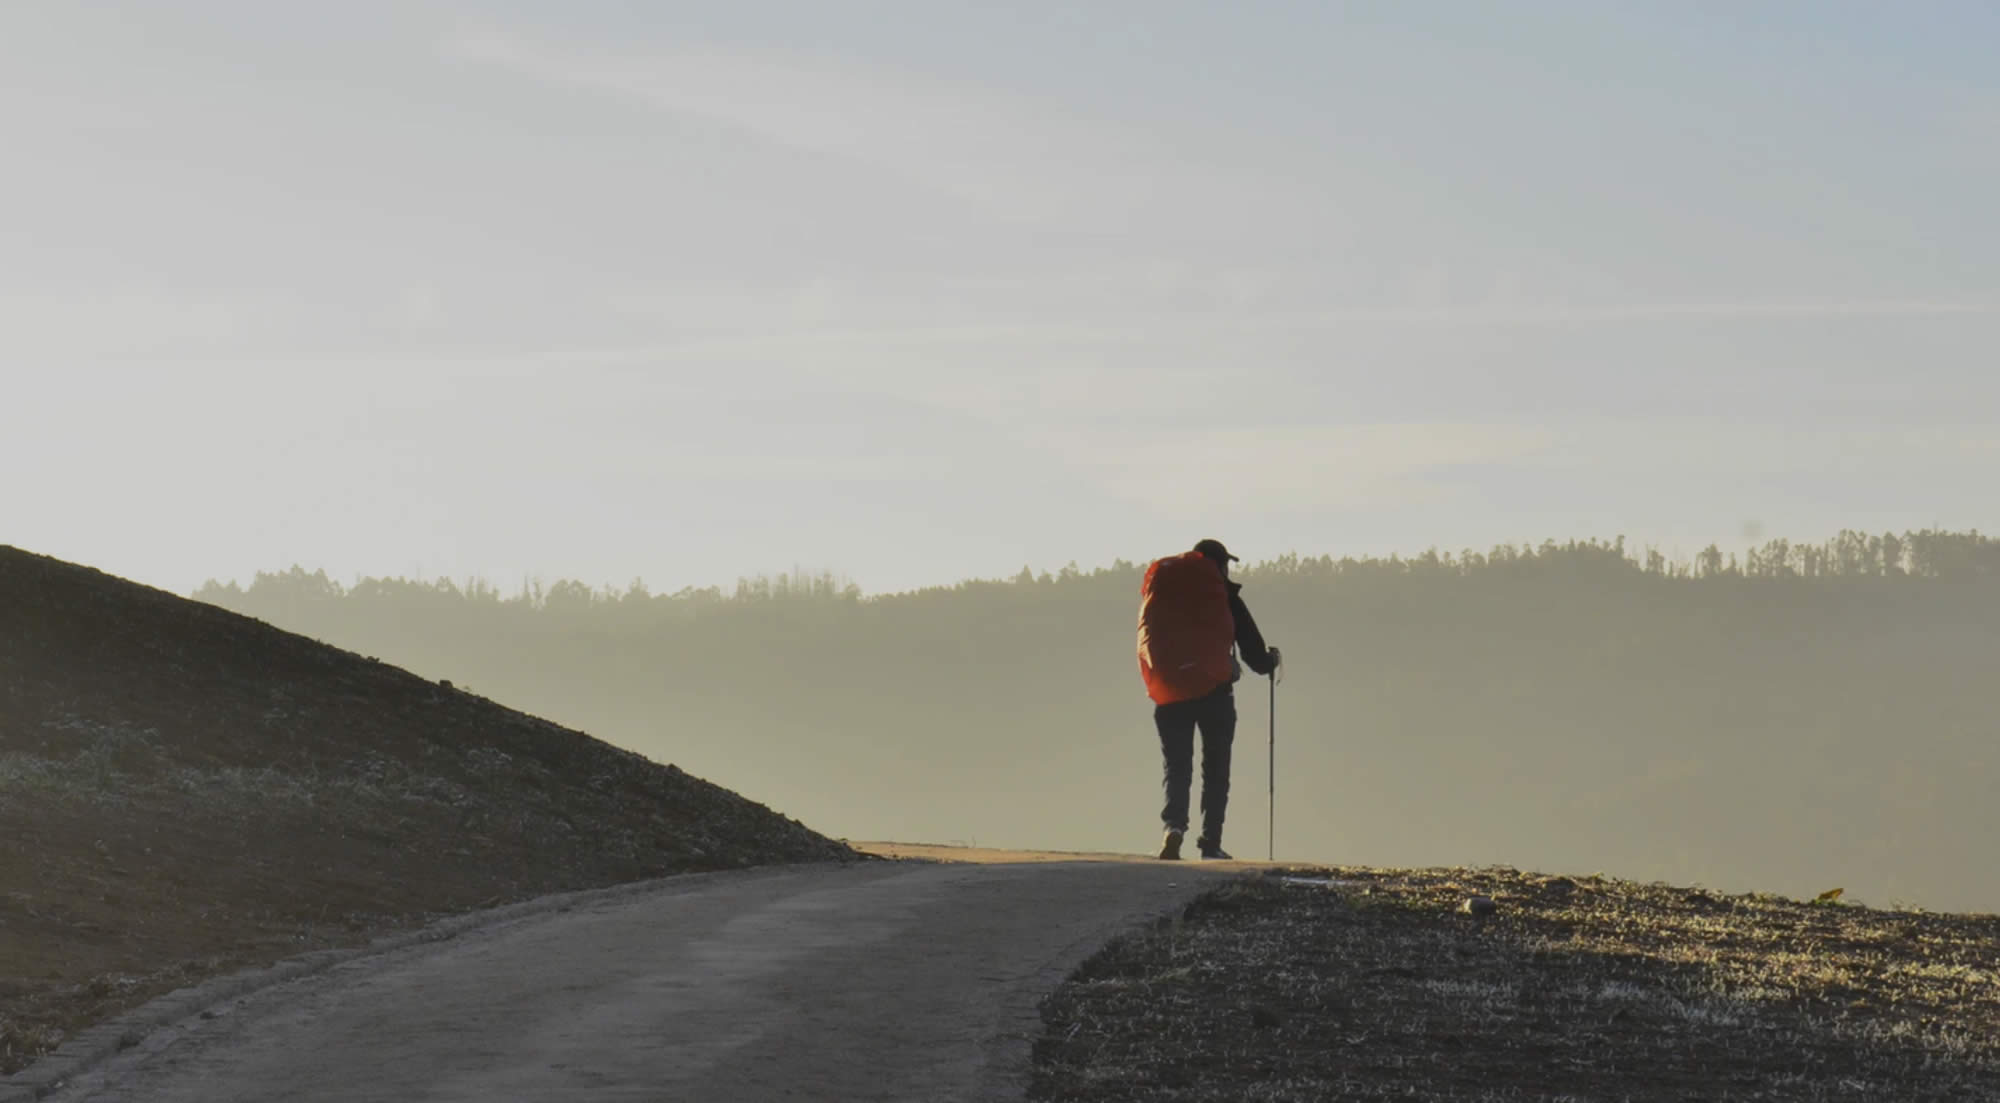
{"x": 1719, "y": 447}
{"x": 1644, "y": 312}
{"x": 1126, "y": 328}
{"x": 813, "y": 108}
{"x": 975, "y": 142}
{"x": 73, "y": 324}
{"x": 1181, "y": 475}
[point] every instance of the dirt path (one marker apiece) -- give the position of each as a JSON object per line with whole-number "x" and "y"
{"x": 878, "y": 981}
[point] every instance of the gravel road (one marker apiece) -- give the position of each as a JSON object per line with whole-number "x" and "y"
{"x": 871, "y": 981}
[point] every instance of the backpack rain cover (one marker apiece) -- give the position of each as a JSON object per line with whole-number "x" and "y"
{"x": 1185, "y": 629}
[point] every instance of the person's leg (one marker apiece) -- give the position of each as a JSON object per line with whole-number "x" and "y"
{"x": 1217, "y": 719}
{"x": 1176, "y": 725}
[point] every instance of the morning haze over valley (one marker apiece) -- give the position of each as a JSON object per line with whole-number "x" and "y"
{"x": 1792, "y": 717}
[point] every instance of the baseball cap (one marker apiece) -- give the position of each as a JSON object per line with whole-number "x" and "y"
{"x": 1214, "y": 550}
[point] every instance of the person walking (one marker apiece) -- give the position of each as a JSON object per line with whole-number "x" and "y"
{"x": 1193, "y": 626}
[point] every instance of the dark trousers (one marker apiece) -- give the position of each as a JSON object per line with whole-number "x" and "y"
{"x": 1215, "y": 716}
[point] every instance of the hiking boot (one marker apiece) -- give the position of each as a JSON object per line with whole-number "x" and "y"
{"x": 1170, "y": 847}
{"x": 1213, "y": 851}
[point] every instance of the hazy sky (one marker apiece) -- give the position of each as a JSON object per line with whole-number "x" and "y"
{"x": 918, "y": 291}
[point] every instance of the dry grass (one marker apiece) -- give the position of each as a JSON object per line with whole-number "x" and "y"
{"x": 1372, "y": 984}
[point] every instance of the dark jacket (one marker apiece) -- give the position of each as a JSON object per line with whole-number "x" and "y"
{"x": 1249, "y": 641}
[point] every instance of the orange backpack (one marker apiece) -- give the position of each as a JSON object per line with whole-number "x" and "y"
{"x": 1185, "y": 629}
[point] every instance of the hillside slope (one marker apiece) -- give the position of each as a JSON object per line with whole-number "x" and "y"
{"x": 185, "y": 791}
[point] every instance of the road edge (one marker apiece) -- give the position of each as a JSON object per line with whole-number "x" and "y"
{"x": 1009, "y": 1052}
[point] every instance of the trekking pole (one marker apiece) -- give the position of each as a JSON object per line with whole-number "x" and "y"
{"x": 1271, "y": 757}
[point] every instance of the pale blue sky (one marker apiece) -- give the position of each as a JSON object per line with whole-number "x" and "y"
{"x": 921, "y": 291}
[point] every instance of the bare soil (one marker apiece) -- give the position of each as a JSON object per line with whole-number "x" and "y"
{"x": 185, "y": 792}
{"x": 1354, "y": 983}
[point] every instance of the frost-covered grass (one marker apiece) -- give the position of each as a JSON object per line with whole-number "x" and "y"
{"x": 113, "y": 766}
{"x": 1375, "y": 986}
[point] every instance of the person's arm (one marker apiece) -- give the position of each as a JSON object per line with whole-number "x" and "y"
{"x": 1249, "y": 641}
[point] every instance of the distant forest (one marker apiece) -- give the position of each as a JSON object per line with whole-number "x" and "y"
{"x": 1792, "y": 718}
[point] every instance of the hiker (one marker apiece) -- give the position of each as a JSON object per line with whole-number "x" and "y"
{"x": 1192, "y": 626}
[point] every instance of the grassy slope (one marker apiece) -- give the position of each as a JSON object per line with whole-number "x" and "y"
{"x": 1377, "y": 986}
{"x": 185, "y": 791}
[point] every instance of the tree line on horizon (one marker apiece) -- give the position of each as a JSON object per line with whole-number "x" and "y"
{"x": 1792, "y": 717}
{"x": 1929, "y": 554}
